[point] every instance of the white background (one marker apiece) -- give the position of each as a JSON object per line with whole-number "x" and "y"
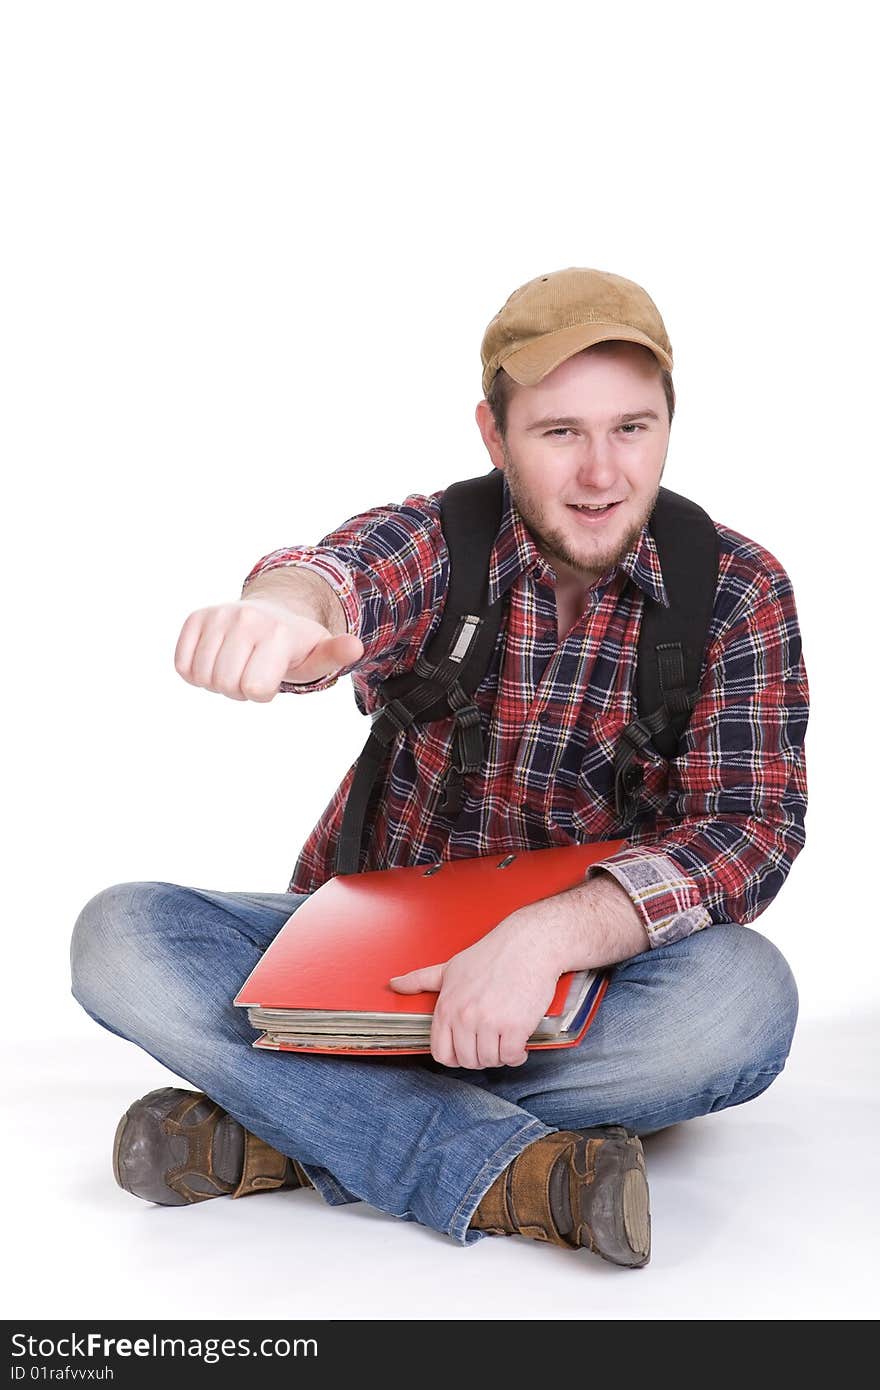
{"x": 249, "y": 254}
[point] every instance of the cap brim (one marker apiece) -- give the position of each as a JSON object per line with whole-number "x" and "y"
{"x": 530, "y": 364}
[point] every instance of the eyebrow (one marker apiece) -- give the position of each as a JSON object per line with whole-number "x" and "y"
{"x": 552, "y": 420}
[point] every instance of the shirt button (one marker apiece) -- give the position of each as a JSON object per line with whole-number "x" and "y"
{"x": 544, "y": 716}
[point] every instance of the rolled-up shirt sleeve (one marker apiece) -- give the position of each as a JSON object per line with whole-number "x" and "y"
{"x": 389, "y": 568}
{"x": 738, "y": 787}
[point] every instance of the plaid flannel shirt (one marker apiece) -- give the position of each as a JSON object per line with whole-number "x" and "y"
{"x": 719, "y": 825}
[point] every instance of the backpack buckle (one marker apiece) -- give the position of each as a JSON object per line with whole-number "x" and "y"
{"x": 628, "y": 774}
{"x": 468, "y": 753}
{"x": 636, "y": 735}
{"x": 395, "y": 713}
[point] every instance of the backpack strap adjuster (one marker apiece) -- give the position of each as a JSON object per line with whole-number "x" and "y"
{"x": 628, "y": 774}
{"x": 396, "y": 714}
{"x": 468, "y": 754}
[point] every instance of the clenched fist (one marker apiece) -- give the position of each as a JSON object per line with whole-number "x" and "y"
{"x": 246, "y": 649}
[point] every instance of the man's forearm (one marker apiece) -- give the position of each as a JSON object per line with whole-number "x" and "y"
{"x": 302, "y": 591}
{"x": 591, "y": 925}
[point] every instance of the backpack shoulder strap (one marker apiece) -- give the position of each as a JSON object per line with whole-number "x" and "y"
{"x": 450, "y": 668}
{"x": 672, "y": 641}
{"x": 471, "y": 517}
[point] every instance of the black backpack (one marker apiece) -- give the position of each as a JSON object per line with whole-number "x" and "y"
{"x": 672, "y": 643}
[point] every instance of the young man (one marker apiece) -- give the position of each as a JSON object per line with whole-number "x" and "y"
{"x": 483, "y": 1137}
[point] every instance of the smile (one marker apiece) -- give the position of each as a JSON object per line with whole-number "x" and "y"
{"x": 592, "y": 515}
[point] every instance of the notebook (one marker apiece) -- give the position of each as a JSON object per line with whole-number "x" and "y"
{"x": 322, "y": 983}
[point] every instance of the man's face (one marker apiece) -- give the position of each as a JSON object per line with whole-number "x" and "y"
{"x": 566, "y": 444}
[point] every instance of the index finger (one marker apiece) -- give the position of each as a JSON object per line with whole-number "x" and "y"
{"x": 186, "y": 644}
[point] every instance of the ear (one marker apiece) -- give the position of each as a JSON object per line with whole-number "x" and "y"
{"x": 491, "y": 438}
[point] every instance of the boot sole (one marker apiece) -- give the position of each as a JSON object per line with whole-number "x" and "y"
{"x": 616, "y": 1205}
{"x": 117, "y": 1145}
{"x": 637, "y": 1216}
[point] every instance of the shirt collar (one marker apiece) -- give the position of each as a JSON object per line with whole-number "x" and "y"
{"x": 515, "y": 551}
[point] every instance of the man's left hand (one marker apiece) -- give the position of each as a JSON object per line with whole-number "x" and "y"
{"x": 491, "y": 997}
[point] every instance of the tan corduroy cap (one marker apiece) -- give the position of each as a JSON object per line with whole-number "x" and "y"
{"x": 554, "y": 316}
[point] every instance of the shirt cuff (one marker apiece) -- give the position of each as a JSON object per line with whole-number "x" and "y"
{"x": 341, "y": 582}
{"x": 667, "y": 898}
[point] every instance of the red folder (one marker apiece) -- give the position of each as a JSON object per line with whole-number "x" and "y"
{"x": 338, "y": 950}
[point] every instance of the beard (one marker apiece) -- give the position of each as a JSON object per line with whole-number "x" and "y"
{"x": 598, "y": 555}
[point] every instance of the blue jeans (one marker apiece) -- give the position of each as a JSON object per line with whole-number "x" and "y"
{"x": 683, "y": 1030}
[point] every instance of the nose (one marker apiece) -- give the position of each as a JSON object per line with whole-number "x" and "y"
{"x": 596, "y": 467}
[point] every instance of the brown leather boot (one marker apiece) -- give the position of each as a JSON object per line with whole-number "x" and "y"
{"x": 576, "y": 1188}
{"x": 175, "y": 1147}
